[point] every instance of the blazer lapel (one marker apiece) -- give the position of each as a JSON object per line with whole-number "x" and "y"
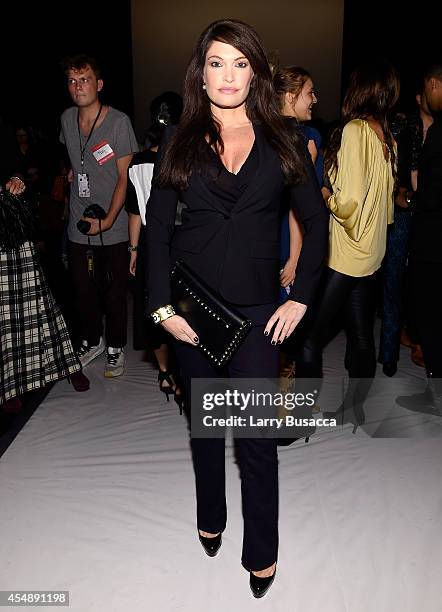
{"x": 266, "y": 158}
{"x": 212, "y": 200}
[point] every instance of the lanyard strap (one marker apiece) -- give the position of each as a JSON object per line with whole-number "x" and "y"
{"x": 83, "y": 149}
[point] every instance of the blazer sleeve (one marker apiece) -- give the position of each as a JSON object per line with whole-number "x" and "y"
{"x": 160, "y": 225}
{"x": 309, "y": 204}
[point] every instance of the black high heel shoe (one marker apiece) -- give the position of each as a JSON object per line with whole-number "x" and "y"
{"x": 260, "y": 586}
{"x": 211, "y": 545}
{"x": 359, "y": 417}
{"x": 179, "y": 399}
{"x": 171, "y": 386}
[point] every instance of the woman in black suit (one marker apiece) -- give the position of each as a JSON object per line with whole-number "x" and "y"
{"x": 229, "y": 160}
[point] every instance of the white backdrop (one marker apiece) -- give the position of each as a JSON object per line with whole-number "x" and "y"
{"x": 97, "y": 497}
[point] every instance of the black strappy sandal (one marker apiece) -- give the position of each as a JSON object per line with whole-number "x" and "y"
{"x": 171, "y": 388}
{"x": 171, "y": 385}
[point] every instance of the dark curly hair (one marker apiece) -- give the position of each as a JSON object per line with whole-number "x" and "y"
{"x": 79, "y": 62}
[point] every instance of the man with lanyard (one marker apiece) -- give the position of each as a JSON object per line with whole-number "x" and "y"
{"x": 100, "y": 143}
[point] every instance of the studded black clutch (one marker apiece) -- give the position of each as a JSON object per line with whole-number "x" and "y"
{"x": 220, "y": 328}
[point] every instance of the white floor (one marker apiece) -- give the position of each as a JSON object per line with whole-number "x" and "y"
{"x": 97, "y": 498}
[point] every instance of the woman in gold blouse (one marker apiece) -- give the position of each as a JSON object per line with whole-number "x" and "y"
{"x": 360, "y": 163}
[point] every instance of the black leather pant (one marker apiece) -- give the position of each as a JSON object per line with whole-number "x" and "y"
{"x": 352, "y": 301}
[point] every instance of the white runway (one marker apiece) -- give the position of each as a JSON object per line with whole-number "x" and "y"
{"x": 97, "y": 498}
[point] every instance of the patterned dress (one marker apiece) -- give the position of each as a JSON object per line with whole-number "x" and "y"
{"x": 35, "y": 348}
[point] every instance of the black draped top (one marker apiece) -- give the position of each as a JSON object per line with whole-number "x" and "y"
{"x": 227, "y": 186}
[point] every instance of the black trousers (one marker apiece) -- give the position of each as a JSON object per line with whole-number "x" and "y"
{"x": 104, "y": 294}
{"x": 258, "y": 460}
{"x": 425, "y": 280}
{"x": 352, "y": 300}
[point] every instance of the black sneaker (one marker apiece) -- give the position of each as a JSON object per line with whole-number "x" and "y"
{"x": 87, "y": 353}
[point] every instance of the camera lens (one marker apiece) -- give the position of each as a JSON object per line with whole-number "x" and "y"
{"x": 83, "y": 226}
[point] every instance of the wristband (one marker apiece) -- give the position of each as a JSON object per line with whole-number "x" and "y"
{"x": 132, "y": 247}
{"x": 162, "y": 314}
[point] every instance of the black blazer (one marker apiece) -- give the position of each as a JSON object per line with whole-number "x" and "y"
{"x": 427, "y": 218}
{"x": 237, "y": 252}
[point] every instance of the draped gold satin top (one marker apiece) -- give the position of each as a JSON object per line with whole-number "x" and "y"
{"x": 361, "y": 206}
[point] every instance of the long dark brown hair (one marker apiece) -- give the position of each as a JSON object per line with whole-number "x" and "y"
{"x": 198, "y": 127}
{"x": 372, "y": 92}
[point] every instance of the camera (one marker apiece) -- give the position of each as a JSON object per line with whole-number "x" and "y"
{"x": 94, "y": 211}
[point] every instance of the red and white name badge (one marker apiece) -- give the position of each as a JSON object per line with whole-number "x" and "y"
{"x": 103, "y": 152}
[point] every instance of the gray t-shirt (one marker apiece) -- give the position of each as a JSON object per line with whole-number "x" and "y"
{"x": 113, "y": 139}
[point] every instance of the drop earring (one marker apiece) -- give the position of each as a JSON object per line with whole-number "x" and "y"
{"x": 204, "y": 86}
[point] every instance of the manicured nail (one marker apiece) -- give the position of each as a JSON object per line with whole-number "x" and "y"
{"x": 196, "y": 339}
{"x": 266, "y": 333}
{"x": 273, "y": 342}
